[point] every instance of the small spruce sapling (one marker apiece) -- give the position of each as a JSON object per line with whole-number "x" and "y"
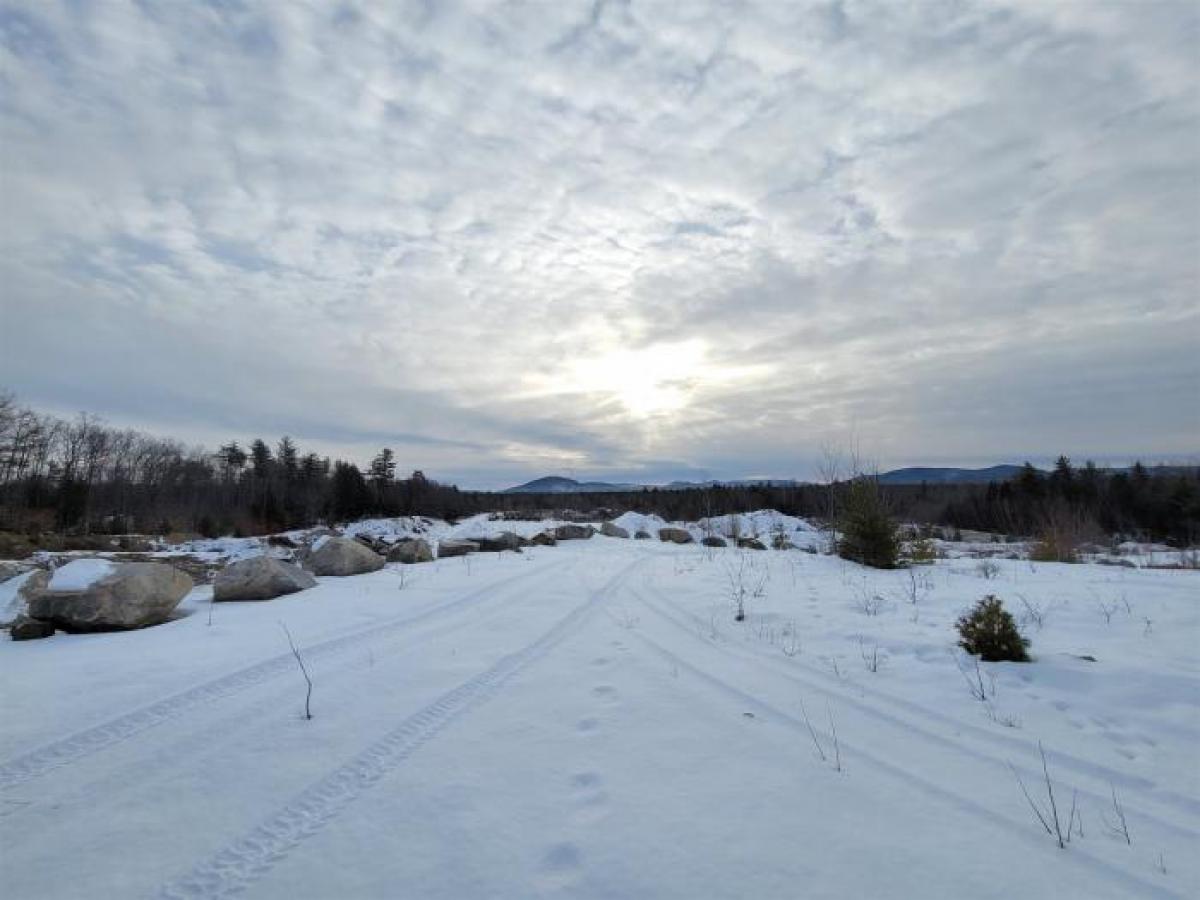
{"x": 989, "y": 631}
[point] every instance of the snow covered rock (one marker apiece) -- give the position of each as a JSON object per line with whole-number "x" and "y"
{"x": 713, "y": 541}
{"x": 27, "y": 629}
{"x": 544, "y": 539}
{"x": 99, "y": 595}
{"x": 413, "y": 550}
{"x": 751, "y": 544}
{"x": 608, "y": 529}
{"x": 15, "y": 594}
{"x": 641, "y": 535}
{"x": 343, "y": 556}
{"x": 675, "y": 535}
{"x": 260, "y": 578}
{"x": 573, "y": 532}
{"x": 456, "y": 548}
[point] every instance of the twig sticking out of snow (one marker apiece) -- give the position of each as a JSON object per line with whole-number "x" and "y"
{"x": 1118, "y": 827}
{"x": 837, "y": 748}
{"x": 1049, "y": 816}
{"x": 813, "y": 732}
{"x": 303, "y": 671}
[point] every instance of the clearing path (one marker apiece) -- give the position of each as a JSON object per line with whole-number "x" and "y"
{"x": 589, "y": 721}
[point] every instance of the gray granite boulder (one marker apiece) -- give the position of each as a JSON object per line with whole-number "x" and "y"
{"x": 343, "y": 556}
{"x": 260, "y": 578}
{"x": 126, "y": 595}
{"x": 573, "y": 532}
{"x": 410, "y": 551}
{"x": 713, "y": 540}
{"x": 608, "y": 529}
{"x": 448, "y": 549}
{"x": 675, "y": 535}
{"x": 507, "y": 540}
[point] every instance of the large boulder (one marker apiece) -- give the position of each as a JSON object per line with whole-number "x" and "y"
{"x": 410, "y": 551}
{"x": 608, "y": 529}
{"x": 498, "y": 543}
{"x": 675, "y": 535}
{"x": 260, "y": 578}
{"x": 641, "y": 535}
{"x": 544, "y": 539}
{"x": 749, "y": 543}
{"x": 448, "y": 549}
{"x": 713, "y": 540}
{"x": 573, "y": 532}
{"x": 343, "y": 556}
{"x": 98, "y": 595}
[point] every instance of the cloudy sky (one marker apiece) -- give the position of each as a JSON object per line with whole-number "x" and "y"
{"x": 625, "y": 240}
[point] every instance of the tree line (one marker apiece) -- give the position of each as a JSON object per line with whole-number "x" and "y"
{"x": 84, "y": 476}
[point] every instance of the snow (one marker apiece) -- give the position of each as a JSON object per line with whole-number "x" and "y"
{"x": 588, "y": 720}
{"x": 80, "y": 574}
{"x": 634, "y": 522}
{"x": 11, "y": 603}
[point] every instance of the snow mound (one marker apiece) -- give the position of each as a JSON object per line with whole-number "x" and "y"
{"x": 80, "y": 574}
{"x": 634, "y": 522}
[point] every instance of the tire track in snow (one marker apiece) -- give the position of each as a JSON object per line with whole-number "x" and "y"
{"x": 207, "y": 735}
{"x": 48, "y": 757}
{"x": 230, "y": 870}
{"x": 1077, "y": 856}
{"x": 1077, "y": 767}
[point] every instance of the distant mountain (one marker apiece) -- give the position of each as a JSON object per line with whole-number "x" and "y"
{"x": 554, "y": 484}
{"x": 740, "y": 482}
{"x": 919, "y": 474}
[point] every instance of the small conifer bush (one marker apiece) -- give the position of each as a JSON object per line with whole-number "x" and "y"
{"x": 989, "y": 631}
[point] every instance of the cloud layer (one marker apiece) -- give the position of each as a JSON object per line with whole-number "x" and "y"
{"x": 627, "y": 239}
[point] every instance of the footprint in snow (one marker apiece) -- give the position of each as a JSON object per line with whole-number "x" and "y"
{"x": 605, "y": 692}
{"x": 586, "y": 726}
{"x": 560, "y": 865}
{"x": 590, "y": 797}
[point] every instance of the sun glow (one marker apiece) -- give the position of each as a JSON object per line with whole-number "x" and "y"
{"x": 654, "y": 380}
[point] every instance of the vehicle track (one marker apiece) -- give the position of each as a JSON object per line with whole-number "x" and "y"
{"x": 233, "y": 868}
{"x": 209, "y": 732}
{"x": 980, "y": 749}
{"x": 931, "y": 788}
{"x": 48, "y": 757}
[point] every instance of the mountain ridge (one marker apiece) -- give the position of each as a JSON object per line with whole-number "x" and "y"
{"x": 558, "y": 484}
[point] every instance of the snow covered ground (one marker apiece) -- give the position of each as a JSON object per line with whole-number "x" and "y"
{"x": 588, "y": 720}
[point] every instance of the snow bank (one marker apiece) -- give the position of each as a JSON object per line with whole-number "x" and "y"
{"x": 80, "y": 574}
